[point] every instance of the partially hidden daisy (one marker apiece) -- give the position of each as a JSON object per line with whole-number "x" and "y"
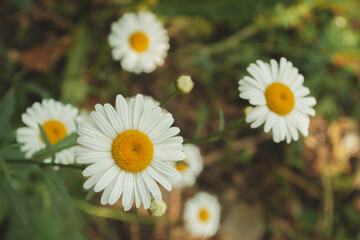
{"x": 57, "y": 120}
{"x": 281, "y": 100}
{"x": 202, "y": 215}
{"x": 139, "y": 41}
{"x": 129, "y": 148}
{"x": 190, "y": 167}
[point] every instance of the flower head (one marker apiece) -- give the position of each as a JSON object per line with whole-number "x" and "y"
{"x": 139, "y": 41}
{"x": 202, "y": 215}
{"x": 281, "y": 100}
{"x": 129, "y": 148}
{"x": 190, "y": 167}
{"x": 57, "y": 120}
{"x": 184, "y": 84}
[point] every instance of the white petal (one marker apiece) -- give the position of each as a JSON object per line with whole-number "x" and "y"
{"x": 128, "y": 191}
{"x": 152, "y": 186}
{"x": 107, "y": 177}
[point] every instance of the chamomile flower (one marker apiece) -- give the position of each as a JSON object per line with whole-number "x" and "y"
{"x": 139, "y": 41}
{"x": 190, "y": 167}
{"x": 202, "y": 215}
{"x": 281, "y": 100}
{"x": 129, "y": 148}
{"x": 57, "y": 120}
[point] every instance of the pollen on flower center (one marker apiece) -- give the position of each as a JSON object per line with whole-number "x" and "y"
{"x": 139, "y": 41}
{"x": 204, "y": 215}
{"x": 132, "y": 151}
{"x": 55, "y": 131}
{"x": 182, "y": 165}
{"x": 280, "y": 99}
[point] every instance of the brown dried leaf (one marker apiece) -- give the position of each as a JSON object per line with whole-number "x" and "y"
{"x": 42, "y": 57}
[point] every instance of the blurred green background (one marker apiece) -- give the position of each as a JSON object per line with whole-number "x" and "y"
{"x": 305, "y": 190}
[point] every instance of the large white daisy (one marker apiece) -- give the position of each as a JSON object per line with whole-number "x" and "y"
{"x": 202, "y": 215}
{"x": 139, "y": 41}
{"x": 57, "y": 120}
{"x": 190, "y": 167}
{"x": 129, "y": 149}
{"x": 281, "y": 100}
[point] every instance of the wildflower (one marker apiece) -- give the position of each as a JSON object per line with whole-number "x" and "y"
{"x": 139, "y": 41}
{"x": 128, "y": 149}
{"x": 281, "y": 100}
{"x": 190, "y": 167}
{"x": 57, "y": 120}
{"x": 202, "y": 215}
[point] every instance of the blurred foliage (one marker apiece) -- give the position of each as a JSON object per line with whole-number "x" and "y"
{"x": 59, "y": 49}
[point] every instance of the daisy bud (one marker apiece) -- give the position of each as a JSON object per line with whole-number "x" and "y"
{"x": 184, "y": 84}
{"x": 157, "y": 209}
{"x": 247, "y": 110}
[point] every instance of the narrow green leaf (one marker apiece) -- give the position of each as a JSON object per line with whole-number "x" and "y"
{"x": 66, "y": 142}
{"x": 52, "y": 190}
{"x": 49, "y": 147}
{"x": 7, "y": 108}
{"x": 62, "y": 190}
{"x": 201, "y": 119}
{"x": 15, "y": 199}
{"x": 74, "y": 90}
{"x": 90, "y": 194}
{"x": 4, "y": 169}
{"x": 221, "y": 120}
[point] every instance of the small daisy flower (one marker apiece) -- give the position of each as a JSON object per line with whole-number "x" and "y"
{"x": 139, "y": 41}
{"x": 57, "y": 120}
{"x": 129, "y": 148}
{"x": 281, "y": 100}
{"x": 190, "y": 167}
{"x": 184, "y": 84}
{"x": 202, "y": 215}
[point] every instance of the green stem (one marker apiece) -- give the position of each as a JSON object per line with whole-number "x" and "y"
{"x": 116, "y": 214}
{"x": 328, "y": 203}
{"x": 169, "y": 98}
{"x": 43, "y": 164}
{"x": 215, "y": 136}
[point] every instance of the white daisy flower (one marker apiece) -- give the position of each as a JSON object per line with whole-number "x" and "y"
{"x": 281, "y": 100}
{"x": 129, "y": 149}
{"x": 190, "y": 167}
{"x": 57, "y": 120}
{"x": 202, "y": 215}
{"x": 139, "y": 41}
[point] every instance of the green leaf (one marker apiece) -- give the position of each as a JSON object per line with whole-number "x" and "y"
{"x": 60, "y": 187}
{"x": 74, "y": 90}
{"x": 201, "y": 119}
{"x": 221, "y": 120}
{"x": 15, "y": 200}
{"x": 7, "y": 107}
{"x": 90, "y": 194}
{"x": 66, "y": 142}
{"x": 49, "y": 148}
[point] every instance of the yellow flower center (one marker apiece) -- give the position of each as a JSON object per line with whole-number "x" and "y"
{"x": 55, "y": 131}
{"x": 132, "y": 151}
{"x": 204, "y": 215}
{"x": 182, "y": 165}
{"x": 280, "y": 99}
{"x": 139, "y": 41}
